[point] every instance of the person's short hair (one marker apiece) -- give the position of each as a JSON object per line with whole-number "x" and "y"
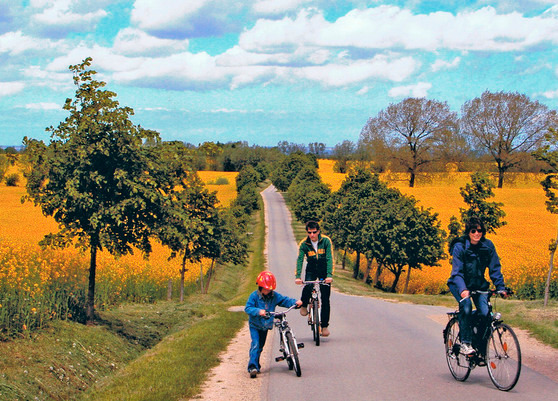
{"x": 312, "y": 225}
{"x": 474, "y": 222}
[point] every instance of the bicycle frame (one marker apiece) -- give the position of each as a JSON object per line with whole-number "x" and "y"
{"x": 314, "y": 314}
{"x": 287, "y": 340}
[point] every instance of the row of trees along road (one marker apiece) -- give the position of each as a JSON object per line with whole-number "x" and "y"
{"x": 367, "y": 217}
{"x": 112, "y": 185}
{"x": 415, "y": 132}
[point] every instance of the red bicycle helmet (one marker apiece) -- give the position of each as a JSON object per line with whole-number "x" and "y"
{"x": 266, "y": 280}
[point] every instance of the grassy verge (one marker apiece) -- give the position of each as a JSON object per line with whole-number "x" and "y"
{"x": 178, "y": 366}
{"x": 160, "y": 351}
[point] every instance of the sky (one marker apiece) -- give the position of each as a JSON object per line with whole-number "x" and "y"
{"x": 264, "y": 71}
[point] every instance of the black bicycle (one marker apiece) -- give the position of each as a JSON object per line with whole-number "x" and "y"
{"x": 314, "y": 310}
{"x": 287, "y": 341}
{"x": 496, "y": 347}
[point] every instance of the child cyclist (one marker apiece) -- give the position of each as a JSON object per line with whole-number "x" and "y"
{"x": 261, "y": 301}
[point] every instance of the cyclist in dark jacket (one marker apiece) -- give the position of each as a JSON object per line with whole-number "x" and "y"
{"x": 471, "y": 255}
{"x": 318, "y": 251}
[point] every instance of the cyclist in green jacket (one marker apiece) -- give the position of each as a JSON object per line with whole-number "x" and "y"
{"x": 317, "y": 250}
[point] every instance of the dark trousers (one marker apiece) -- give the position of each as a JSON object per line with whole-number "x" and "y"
{"x": 465, "y": 316}
{"x": 256, "y": 347}
{"x": 325, "y": 290}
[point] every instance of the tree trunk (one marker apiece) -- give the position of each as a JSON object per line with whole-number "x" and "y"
{"x": 397, "y": 274}
{"x": 169, "y": 290}
{"x": 367, "y": 272}
{"x": 182, "y": 273}
{"x": 90, "y": 311}
{"x": 500, "y": 179}
{"x": 356, "y": 269}
{"x": 407, "y": 281}
{"x": 550, "y": 268}
{"x": 377, "y": 275}
{"x": 412, "y": 179}
{"x": 344, "y": 259}
{"x": 201, "y": 278}
{"x": 209, "y": 276}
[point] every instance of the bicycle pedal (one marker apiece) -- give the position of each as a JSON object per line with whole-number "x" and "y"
{"x": 279, "y": 359}
{"x": 300, "y": 345}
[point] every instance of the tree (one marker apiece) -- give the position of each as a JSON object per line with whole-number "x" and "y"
{"x": 247, "y": 176}
{"x": 342, "y": 153}
{"x": 549, "y": 154}
{"x": 288, "y": 148}
{"x": 475, "y": 195}
{"x": 505, "y": 124}
{"x": 286, "y": 170}
{"x": 307, "y": 195}
{"x": 95, "y": 178}
{"x": 410, "y": 129}
{"x": 317, "y": 148}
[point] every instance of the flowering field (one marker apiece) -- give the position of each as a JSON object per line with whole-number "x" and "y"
{"x": 37, "y": 285}
{"x": 522, "y": 244}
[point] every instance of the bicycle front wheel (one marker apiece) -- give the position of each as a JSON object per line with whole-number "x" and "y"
{"x": 457, "y": 362}
{"x": 293, "y": 356}
{"x": 316, "y": 322}
{"x": 503, "y": 357}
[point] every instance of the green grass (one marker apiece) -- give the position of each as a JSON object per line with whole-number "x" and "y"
{"x": 159, "y": 351}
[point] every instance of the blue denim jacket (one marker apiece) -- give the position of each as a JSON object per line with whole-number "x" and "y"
{"x": 257, "y": 301}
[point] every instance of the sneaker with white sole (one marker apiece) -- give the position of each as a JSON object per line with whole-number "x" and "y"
{"x": 466, "y": 349}
{"x": 253, "y": 373}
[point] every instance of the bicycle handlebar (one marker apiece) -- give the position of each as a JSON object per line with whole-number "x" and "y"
{"x": 322, "y": 282}
{"x": 507, "y": 291}
{"x": 275, "y": 314}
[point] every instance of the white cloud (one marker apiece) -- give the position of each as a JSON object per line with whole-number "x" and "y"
{"x": 16, "y": 43}
{"x": 419, "y": 89}
{"x": 59, "y": 17}
{"x": 391, "y": 27}
{"x": 148, "y": 14}
{"x": 130, "y": 41}
{"x": 43, "y": 106}
{"x": 10, "y": 88}
{"x": 363, "y": 91}
{"x": 275, "y": 7}
{"x": 551, "y": 94}
{"x": 445, "y": 65}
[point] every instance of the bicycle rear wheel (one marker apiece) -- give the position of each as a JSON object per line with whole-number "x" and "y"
{"x": 457, "y": 362}
{"x": 316, "y": 322}
{"x": 503, "y": 357}
{"x": 293, "y": 354}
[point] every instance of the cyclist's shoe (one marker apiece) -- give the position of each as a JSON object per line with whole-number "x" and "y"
{"x": 304, "y": 311}
{"x": 324, "y": 331}
{"x": 466, "y": 349}
{"x": 253, "y": 373}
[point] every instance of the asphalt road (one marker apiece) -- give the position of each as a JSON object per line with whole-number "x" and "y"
{"x": 377, "y": 350}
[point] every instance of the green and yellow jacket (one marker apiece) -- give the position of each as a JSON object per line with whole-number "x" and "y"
{"x": 318, "y": 264}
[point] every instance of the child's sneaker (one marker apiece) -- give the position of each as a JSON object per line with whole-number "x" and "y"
{"x": 253, "y": 373}
{"x": 466, "y": 349}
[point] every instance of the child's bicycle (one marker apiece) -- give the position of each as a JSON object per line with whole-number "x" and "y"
{"x": 314, "y": 311}
{"x": 496, "y": 347}
{"x": 287, "y": 341}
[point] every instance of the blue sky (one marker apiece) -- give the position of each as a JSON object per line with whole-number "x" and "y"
{"x": 263, "y": 71}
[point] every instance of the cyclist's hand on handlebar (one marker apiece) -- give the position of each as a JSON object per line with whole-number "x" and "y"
{"x": 328, "y": 280}
{"x": 465, "y": 293}
{"x": 503, "y": 294}
{"x": 298, "y": 303}
{"x": 263, "y": 312}
{"x": 298, "y": 281}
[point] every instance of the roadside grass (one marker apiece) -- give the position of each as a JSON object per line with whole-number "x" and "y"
{"x": 177, "y": 367}
{"x": 158, "y": 351}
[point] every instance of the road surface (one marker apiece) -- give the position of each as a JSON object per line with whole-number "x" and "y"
{"x": 377, "y": 350}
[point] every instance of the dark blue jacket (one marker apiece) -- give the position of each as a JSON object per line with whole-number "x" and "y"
{"x": 469, "y": 264}
{"x": 257, "y": 301}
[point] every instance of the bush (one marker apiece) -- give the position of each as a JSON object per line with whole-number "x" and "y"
{"x": 12, "y": 180}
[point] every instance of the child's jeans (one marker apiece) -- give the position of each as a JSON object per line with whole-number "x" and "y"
{"x": 256, "y": 347}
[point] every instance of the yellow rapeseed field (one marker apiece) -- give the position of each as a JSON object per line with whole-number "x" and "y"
{"x": 34, "y": 281}
{"x": 522, "y": 244}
